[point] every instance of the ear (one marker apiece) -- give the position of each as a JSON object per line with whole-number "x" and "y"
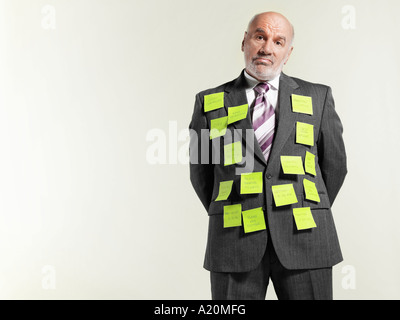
{"x": 244, "y": 38}
{"x": 288, "y": 56}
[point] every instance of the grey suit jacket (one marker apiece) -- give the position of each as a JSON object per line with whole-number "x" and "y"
{"x": 233, "y": 250}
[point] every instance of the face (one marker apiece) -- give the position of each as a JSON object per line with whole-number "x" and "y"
{"x": 267, "y": 45}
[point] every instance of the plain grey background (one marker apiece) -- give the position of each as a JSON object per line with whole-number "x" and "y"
{"x": 93, "y": 92}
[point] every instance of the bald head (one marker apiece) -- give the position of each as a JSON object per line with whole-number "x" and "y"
{"x": 276, "y": 19}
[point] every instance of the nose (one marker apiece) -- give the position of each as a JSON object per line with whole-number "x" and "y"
{"x": 267, "y": 47}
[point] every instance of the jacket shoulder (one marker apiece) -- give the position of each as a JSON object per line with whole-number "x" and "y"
{"x": 216, "y": 89}
{"x": 309, "y": 84}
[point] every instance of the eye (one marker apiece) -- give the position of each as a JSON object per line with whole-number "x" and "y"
{"x": 259, "y": 37}
{"x": 279, "y": 43}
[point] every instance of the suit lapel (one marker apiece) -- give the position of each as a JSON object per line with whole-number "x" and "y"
{"x": 235, "y": 95}
{"x": 287, "y": 118}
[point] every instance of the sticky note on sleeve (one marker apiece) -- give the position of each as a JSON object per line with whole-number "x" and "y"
{"x": 311, "y": 190}
{"x": 305, "y": 133}
{"x": 251, "y": 183}
{"x": 309, "y": 163}
{"x": 284, "y": 194}
{"x": 253, "y": 220}
{"x": 233, "y": 216}
{"x": 237, "y": 113}
{"x": 292, "y": 165}
{"x": 302, "y": 104}
{"x": 213, "y": 101}
{"x": 233, "y": 153}
{"x": 225, "y": 188}
{"x": 218, "y": 127}
{"x": 303, "y": 218}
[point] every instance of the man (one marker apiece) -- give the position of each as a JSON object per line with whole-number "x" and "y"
{"x": 267, "y": 162}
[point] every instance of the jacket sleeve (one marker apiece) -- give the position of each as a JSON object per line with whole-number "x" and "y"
{"x": 201, "y": 167}
{"x": 331, "y": 149}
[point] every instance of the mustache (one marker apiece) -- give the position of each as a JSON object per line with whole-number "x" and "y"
{"x": 264, "y": 56}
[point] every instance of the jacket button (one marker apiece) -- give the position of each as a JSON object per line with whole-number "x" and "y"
{"x": 268, "y": 176}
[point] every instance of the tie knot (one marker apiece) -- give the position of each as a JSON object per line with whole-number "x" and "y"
{"x": 261, "y": 88}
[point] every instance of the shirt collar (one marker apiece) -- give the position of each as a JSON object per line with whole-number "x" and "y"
{"x": 252, "y": 82}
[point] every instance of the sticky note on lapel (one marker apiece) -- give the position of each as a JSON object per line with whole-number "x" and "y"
{"x": 237, "y": 113}
{"x": 302, "y": 104}
{"x": 213, "y": 101}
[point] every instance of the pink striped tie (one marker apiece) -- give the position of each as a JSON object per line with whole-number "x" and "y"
{"x": 263, "y": 119}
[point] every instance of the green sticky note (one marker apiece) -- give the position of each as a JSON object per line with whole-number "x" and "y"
{"x": 309, "y": 163}
{"x": 303, "y": 218}
{"x": 237, "y": 113}
{"x": 233, "y": 216}
{"x": 213, "y": 101}
{"x": 311, "y": 190}
{"x": 292, "y": 165}
{"x": 251, "y": 183}
{"x": 233, "y": 153}
{"x": 218, "y": 127}
{"x": 305, "y": 133}
{"x": 253, "y": 220}
{"x": 302, "y": 104}
{"x": 225, "y": 188}
{"x": 284, "y": 194}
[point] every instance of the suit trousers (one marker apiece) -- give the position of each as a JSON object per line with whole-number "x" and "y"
{"x": 313, "y": 284}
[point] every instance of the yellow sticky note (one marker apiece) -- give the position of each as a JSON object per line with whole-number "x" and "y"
{"x": 292, "y": 165}
{"x": 237, "y": 113}
{"x": 309, "y": 163}
{"x": 305, "y": 133}
{"x": 253, "y": 220}
{"x": 311, "y": 190}
{"x": 251, "y": 183}
{"x": 284, "y": 194}
{"x": 225, "y": 188}
{"x": 213, "y": 101}
{"x": 218, "y": 127}
{"x": 233, "y": 216}
{"x": 233, "y": 153}
{"x": 303, "y": 218}
{"x": 302, "y": 104}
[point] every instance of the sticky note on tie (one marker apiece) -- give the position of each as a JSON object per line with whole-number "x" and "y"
{"x": 292, "y": 165}
{"x": 253, "y": 220}
{"x": 237, "y": 113}
{"x": 233, "y": 153}
{"x": 305, "y": 133}
{"x": 251, "y": 183}
{"x": 311, "y": 190}
{"x": 309, "y": 163}
{"x": 225, "y": 188}
{"x": 302, "y": 104}
{"x": 213, "y": 101}
{"x": 284, "y": 194}
{"x": 303, "y": 218}
{"x": 218, "y": 127}
{"x": 233, "y": 216}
